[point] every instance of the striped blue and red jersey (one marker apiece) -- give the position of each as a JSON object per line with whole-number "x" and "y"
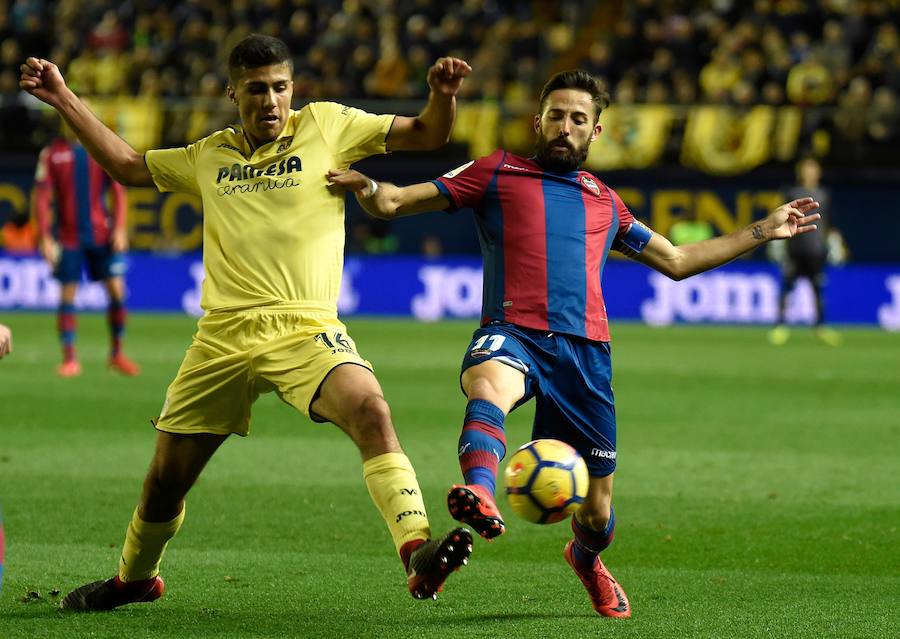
{"x": 78, "y": 187}
{"x": 544, "y": 239}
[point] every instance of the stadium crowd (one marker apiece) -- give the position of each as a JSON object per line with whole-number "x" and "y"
{"x": 843, "y": 55}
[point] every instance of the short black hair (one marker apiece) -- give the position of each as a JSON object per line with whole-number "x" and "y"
{"x": 581, "y": 80}
{"x": 257, "y": 50}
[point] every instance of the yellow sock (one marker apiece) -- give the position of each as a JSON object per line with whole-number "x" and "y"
{"x": 392, "y": 484}
{"x": 145, "y": 543}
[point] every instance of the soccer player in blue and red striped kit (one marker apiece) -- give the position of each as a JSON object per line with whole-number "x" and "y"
{"x": 546, "y": 228}
{"x": 86, "y": 232}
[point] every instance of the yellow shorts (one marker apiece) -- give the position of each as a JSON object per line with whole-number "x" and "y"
{"x": 235, "y": 356}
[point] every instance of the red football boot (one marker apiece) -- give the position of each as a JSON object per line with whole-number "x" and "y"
{"x": 70, "y": 368}
{"x": 124, "y": 365}
{"x": 475, "y": 506}
{"x": 607, "y": 596}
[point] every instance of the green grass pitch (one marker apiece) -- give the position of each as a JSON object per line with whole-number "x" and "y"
{"x": 758, "y": 495}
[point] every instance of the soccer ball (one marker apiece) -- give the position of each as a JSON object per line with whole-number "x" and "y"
{"x": 546, "y": 481}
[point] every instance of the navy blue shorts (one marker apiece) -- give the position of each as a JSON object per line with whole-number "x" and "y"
{"x": 101, "y": 263}
{"x": 570, "y": 379}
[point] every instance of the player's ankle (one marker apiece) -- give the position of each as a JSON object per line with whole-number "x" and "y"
{"x": 407, "y": 549}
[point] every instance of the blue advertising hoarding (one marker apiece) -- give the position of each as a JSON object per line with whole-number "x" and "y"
{"x": 429, "y": 290}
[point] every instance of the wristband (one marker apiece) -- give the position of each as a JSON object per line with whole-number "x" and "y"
{"x": 373, "y": 188}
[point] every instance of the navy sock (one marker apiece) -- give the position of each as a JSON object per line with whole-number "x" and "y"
{"x": 589, "y": 543}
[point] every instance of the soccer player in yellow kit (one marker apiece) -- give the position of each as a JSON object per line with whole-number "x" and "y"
{"x": 273, "y": 244}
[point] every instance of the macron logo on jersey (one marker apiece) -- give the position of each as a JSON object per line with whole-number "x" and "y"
{"x": 514, "y": 167}
{"x": 458, "y": 170}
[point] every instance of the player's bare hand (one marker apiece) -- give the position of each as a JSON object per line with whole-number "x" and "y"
{"x": 42, "y": 79}
{"x": 446, "y": 76}
{"x": 49, "y": 251}
{"x": 5, "y": 341}
{"x": 350, "y": 180}
{"x": 792, "y": 218}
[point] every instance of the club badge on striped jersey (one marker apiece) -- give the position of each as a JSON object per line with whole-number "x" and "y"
{"x": 590, "y": 184}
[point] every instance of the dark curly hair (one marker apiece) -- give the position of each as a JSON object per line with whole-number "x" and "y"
{"x": 578, "y": 79}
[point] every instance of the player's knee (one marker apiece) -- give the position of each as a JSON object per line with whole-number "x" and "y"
{"x": 481, "y": 388}
{"x": 595, "y": 515}
{"x": 371, "y": 421}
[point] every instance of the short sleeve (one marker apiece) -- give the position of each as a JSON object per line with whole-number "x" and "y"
{"x": 351, "y": 134}
{"x": 632, "y": 236}
{"x": 465, "y": 186}
{"x": 175, "y": 169}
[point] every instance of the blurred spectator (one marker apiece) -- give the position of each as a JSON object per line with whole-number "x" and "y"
{"x": 743, "y": 95}
{"x": 108, "y": 35}
{"x": 772, "y": 94}
{"x": 685, "y": 90}
{"x": 600, "y": 62}
{"x": 718, "y": 76}
{"x": 884, "y": 118}
{"x": 657, "y": 93}
{"x": 850, "y": 118}
{"x": 419, "y": 63}
{"x": 19, "y": 234}
{"x": 299, "y": 35}
{"x": 753, "y": 66}
{"x": 389, "y": 79}
{"x": 809, "y": 81}
{"x": 835, "y": 52}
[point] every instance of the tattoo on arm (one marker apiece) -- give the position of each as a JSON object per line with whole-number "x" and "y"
{"x": 758, "y": 232}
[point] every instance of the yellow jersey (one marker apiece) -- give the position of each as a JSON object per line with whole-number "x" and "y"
{"x": 273, "y": 229}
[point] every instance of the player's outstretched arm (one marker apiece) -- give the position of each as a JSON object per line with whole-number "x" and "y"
{"x": 42, "y": 79}
{"x": 385, "y": 200}
{"x": 679, "y": 262}
{"x": 431, "y": 128}
{"x": 5, "y": 341}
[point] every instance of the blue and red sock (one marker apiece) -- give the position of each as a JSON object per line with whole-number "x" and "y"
{"x": 115, "y": 318}
{"x": 65, "y": 324}
{"x": 589, "y": 543}
{"x": 482, "y": 443}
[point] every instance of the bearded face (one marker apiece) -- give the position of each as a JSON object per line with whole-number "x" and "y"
{"x": 565, "y": 129}
{"x": 559, "y": 155}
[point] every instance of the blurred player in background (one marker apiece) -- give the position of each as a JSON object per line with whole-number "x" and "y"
{"x": 807, "y": 255}
{"x": 89, "y": 231}
{"x": 273, "y": 255}
{"x": 546, "y": 228}
{"x": 689, "y": 229}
